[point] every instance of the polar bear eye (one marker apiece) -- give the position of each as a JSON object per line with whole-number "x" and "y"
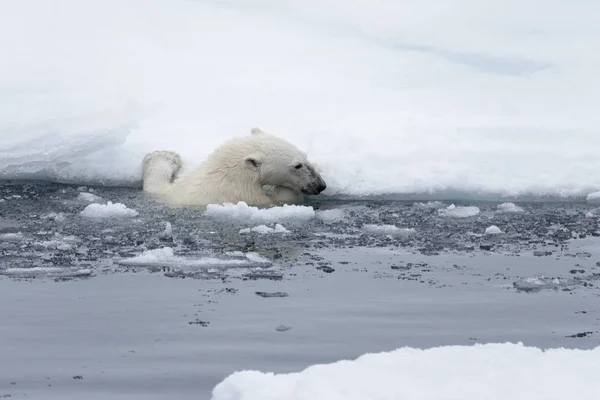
{"x": 298, "y": 166}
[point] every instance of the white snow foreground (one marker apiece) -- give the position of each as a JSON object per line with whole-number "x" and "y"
{"x": 490, "y": 371}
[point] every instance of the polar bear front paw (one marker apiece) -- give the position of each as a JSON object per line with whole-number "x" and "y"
{"x": 159, "y": 168}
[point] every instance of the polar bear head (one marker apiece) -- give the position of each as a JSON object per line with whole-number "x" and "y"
{"x": 277, "y": 162}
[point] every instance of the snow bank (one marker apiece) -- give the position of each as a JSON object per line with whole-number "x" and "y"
{"x": 490, "y": 371}
{"x": 459, "y": 212}
{"x": 108, "y": 210}
{"x": 242, "y": 212}
{"x": 374, "y": 94}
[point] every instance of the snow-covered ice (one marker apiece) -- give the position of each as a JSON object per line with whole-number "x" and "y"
{"x": 468, "y": 97}
{"x": 459, "y": 212}
{"x": 492, "y": 230}
{"x": 491, "y": 371}
{"x": 108, "y": 210}
{"x": 242, "y": 212}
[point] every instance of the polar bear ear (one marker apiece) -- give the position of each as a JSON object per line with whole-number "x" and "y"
{"x": 256, "y": 131}
{"x": 253, "y": 161}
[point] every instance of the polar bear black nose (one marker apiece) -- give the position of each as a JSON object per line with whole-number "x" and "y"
{"x": 322, "y": 186}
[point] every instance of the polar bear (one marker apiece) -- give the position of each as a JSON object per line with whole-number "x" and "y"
{"x": 239, "y": 170}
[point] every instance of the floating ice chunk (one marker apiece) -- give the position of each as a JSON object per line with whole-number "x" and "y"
{"x": 492, "y": 230}
{"x": 55, "y": 216}
{"x": 459, "y": 212}
{"x": 151, "y": 257}
{"x": 18, "y": 270}
{"x": 45, "y": 271}
{"x": 534, "y": 283}
{"x": 59, "y": 242}
{"x": 593, "y": 213}
{"x": 429, "y": 204}
{"x": 234, "y": 253}
{"x": 11, "y": 237}
{"x": 329, "y": 216}
{"x": 387, "y": 230}
{"x": 165, "y": 257}
{"x": 430, "y": 374}
{"x": 167, "y": 234}
{"x": 242, "y": 211}
{"x": 89, "y": 197}
{"x": 84, "y": 271}
{"x": 108, "y": 210}
{"x": 263, "y": 229}
{"x": 55, "y": 244}
{"x": 257, "y": 258}
{"x": 509, "y": 207}
{"x": 593, "y": 198}
{"x": 280, "y": 229}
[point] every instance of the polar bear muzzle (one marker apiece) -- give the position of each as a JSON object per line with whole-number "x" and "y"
{"x": 317, "y": 183}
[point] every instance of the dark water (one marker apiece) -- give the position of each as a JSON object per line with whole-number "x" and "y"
{"x": 78, "y": 322}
